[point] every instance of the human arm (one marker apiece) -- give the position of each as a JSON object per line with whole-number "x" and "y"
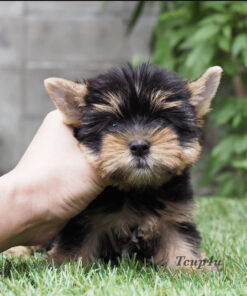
{"x": 52, "y": 183}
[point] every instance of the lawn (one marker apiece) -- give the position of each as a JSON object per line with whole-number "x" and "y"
{"x": 223, "y": 223}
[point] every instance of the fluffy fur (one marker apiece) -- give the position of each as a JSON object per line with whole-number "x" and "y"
{"x": 141, "y": 129}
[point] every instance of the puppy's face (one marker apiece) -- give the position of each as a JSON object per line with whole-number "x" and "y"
{"x": 139, "y": 127}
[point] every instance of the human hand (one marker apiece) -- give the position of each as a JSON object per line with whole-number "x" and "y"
{"x": 53, "y": 182}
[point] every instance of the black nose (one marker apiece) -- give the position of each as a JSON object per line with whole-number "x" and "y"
{"x": 139, "y": 148}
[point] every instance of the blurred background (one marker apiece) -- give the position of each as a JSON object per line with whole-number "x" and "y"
{"x": 75, "y": 40}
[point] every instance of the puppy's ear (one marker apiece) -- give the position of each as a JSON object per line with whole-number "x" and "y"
{"x": 68, "y": 97}
{"x": 203, "y": 90}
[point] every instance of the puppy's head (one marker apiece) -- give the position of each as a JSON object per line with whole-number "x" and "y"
{"x": 138, "y": 127}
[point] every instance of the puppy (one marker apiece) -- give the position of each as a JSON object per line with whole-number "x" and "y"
{"x": 140, "y": 128}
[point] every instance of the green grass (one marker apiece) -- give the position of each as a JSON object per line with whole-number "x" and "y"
{"x": 223, "y": 225}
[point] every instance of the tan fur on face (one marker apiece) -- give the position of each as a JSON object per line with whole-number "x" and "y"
{"x": 112, "y": 105}
{"x": 191, "y": 152}
{"x": 92, "y": 158}
{"x": 159, "y": 100}
{"x": 115, "y": 155}
{"x": 165, "y": 149}
{"x": 166, "y": 156}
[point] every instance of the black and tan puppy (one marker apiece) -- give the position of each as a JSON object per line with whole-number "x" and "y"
{"x": 141, "y": 129}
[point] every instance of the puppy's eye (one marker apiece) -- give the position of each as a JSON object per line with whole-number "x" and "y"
{"x": 114, "y": 124}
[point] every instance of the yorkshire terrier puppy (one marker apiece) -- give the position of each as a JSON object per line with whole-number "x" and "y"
{"x": 140, "y": 127}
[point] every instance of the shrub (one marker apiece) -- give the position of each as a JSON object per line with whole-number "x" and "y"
{"x": 190, "y": 36}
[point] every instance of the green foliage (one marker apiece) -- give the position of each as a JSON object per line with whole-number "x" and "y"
{"x": 189, "y": 37}
{"x": 137, "y": 12}
{"x": 227, "y": 164}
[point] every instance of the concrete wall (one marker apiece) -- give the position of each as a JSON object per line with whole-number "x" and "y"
{"x": 68, "y": 39}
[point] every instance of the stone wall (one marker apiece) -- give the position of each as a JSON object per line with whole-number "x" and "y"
{"x": 69, "y": 39}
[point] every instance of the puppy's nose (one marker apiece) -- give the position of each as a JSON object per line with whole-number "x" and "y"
{"x": 139, "y": 148}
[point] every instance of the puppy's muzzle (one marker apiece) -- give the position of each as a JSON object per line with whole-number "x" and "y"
{"x": 139, "y": 148}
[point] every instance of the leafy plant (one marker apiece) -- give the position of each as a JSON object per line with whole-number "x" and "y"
{"x": 227, "y": 164}
{"x": 190, "y": 36}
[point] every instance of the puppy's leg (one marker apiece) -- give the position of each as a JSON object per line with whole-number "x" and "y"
{"x": 21, "y": 251}
{"x": 179, "y": 239}
{"x": 179, "y": 246}
{"x": 87, "y": 250}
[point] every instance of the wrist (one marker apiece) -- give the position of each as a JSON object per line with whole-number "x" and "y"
{"x": 17, "y": 215}
{"x": 13, "y": 221}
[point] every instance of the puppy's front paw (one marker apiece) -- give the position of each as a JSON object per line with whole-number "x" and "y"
{"x": 20, "y": 251}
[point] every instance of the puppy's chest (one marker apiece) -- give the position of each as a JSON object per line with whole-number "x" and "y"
{"x": 115, "y": 223}
{"x": 126, "y": 232}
